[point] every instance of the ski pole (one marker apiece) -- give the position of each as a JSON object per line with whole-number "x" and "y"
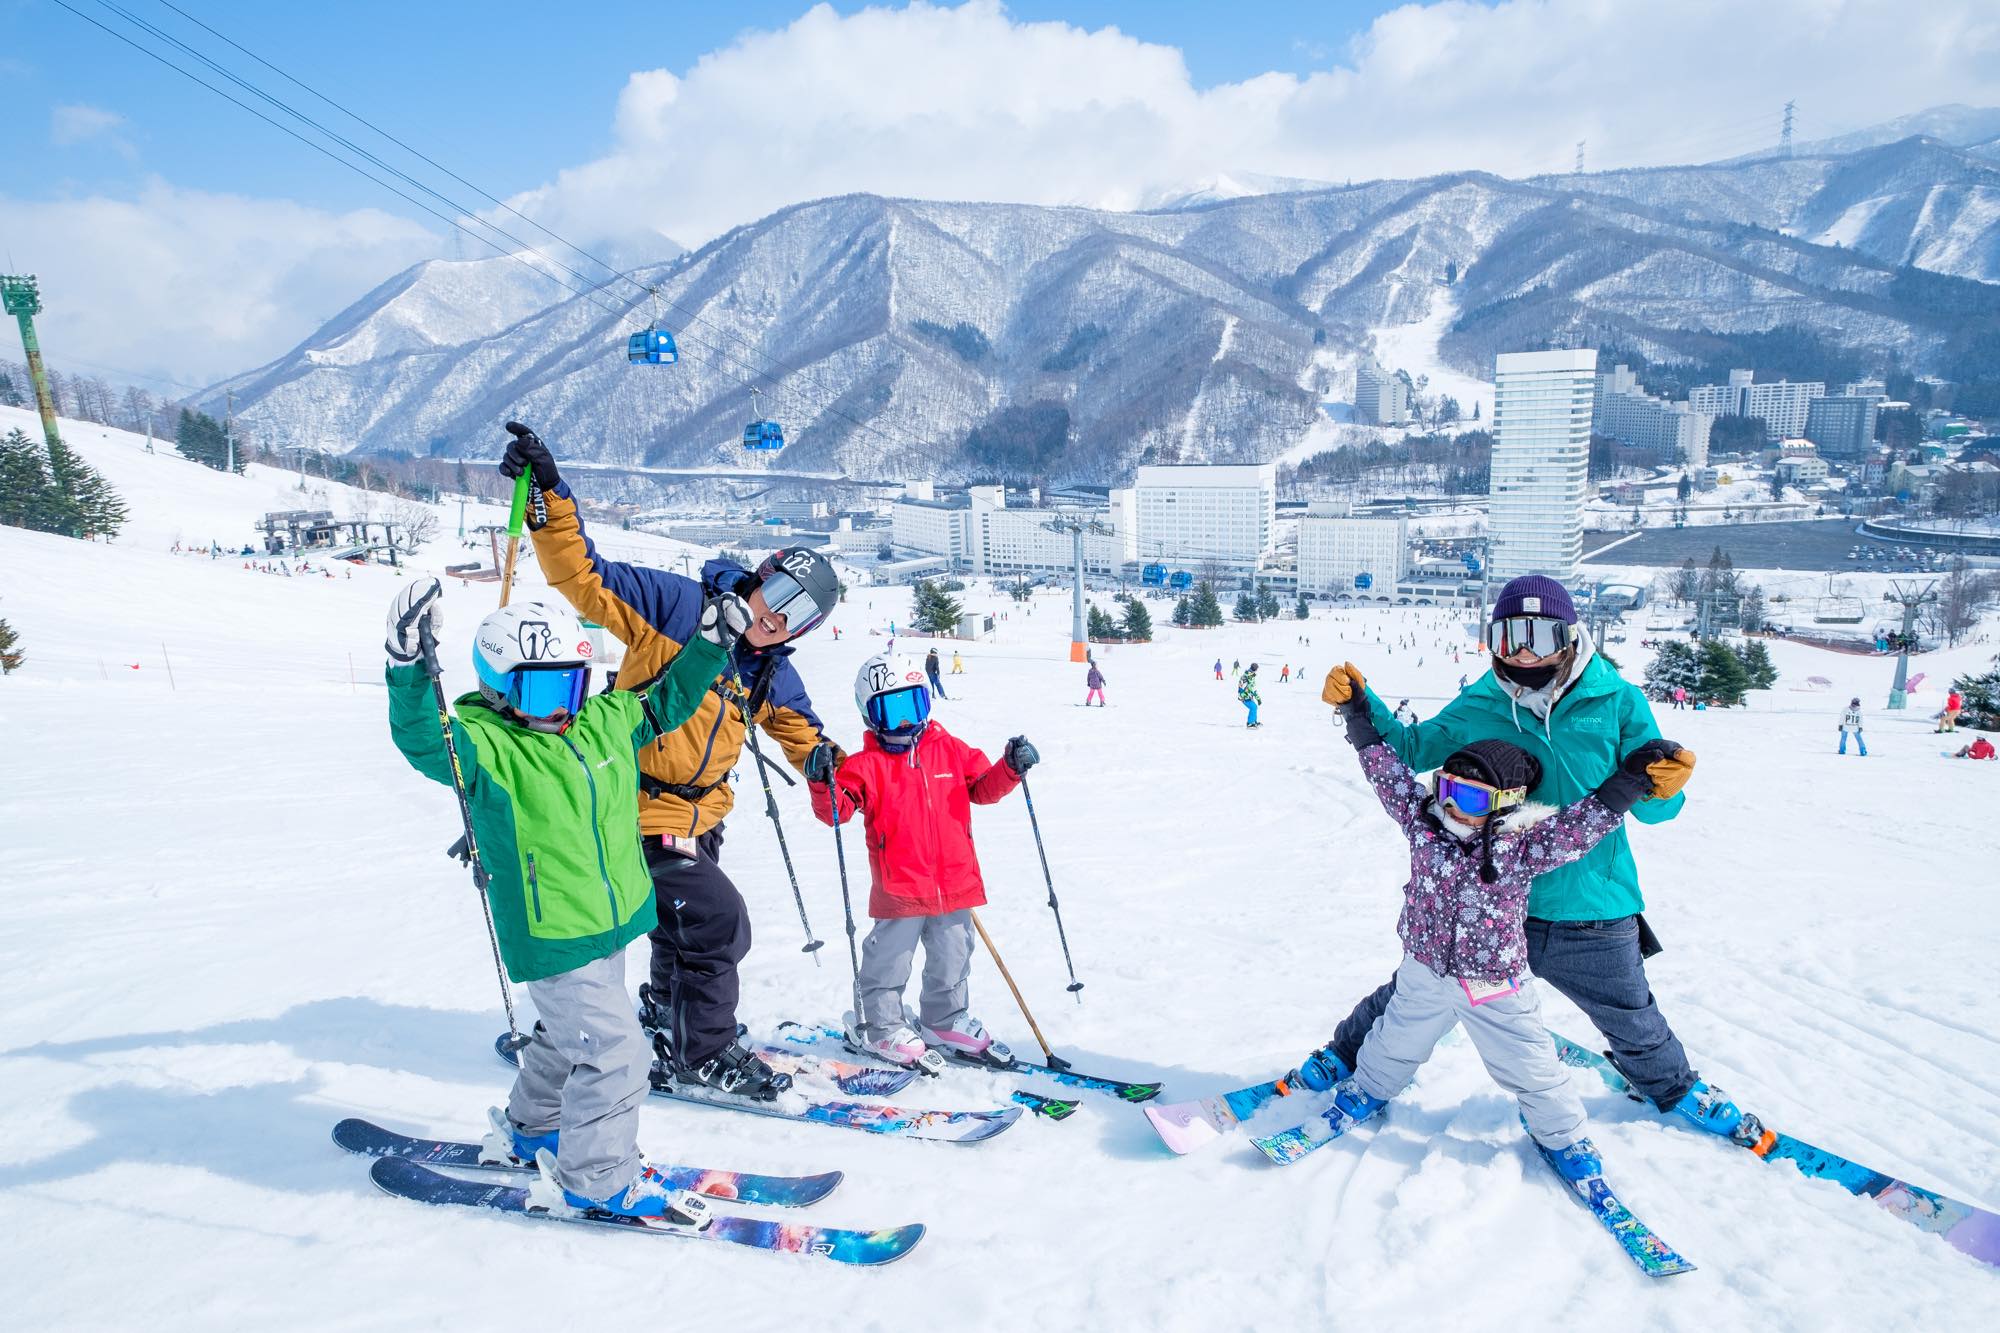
{"x": 1049, "y": 1057}
{"x": 1075, "y": 986}
{"x": 515, "y": 515}
{"x": 846, "y": 906}
{"x": 813, "y": 943}
{"x": 468, "y": 849}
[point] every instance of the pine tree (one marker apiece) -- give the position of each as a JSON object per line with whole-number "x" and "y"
{"x": 935, "y": 611}
{"x": 1099, "y": 624}
{"x": 1183, "y": 613}
{"x": 23, "y": 479}
{"x": 1138, "y": 625}
{"x": 9, "y": 395}
{"x": 1246, "y": 606}
{"x": 1675, "y": 665}
{"x": 1723, "y": 679}
{"x": 1751, "y": 613}
{"x": 200, "y": 436}
{"x": 1757, "y": 665}
{"x": 1687, "y": 581}
{"x": 11, "y": 655}
{"x": 1267, "y": 602}
{"x": 88, "y": 503}
{"x": 1206, "y": 611}
{"x": 1304, "y": 612}
{"x": 1982, "y": 697}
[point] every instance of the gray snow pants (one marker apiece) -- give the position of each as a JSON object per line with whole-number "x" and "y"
{"x": 890, "y": 951}
{"x": 585, "y": 1074}
{"x": 1506, "y": 1031}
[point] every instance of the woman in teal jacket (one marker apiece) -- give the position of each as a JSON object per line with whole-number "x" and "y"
{"x": 1551, "y": 694}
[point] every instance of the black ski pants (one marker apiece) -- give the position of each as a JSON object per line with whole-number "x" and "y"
{"x": 1600, "y": 967}
{"x": 704, "y": 932}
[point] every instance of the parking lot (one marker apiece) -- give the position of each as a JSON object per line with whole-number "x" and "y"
{"x": 1817, "y": 546}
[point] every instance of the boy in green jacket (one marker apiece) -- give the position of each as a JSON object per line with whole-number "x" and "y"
{"x": 551, "y": 779}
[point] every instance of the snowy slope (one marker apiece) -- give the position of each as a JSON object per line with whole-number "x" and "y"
{"x": 233, "y": 924}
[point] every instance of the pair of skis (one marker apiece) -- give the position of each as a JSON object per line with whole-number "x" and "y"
{"x": 406, "y": 1167}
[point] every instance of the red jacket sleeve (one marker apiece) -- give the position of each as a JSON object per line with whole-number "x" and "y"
{"x": 985, "y": 781}
{"x": 849, "y": 787}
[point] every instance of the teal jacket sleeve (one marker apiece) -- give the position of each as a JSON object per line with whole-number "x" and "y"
{"x": 1637, "y": 727}
{"x": 677, "y": 692}
{"x": 1422, "y": 745}
{"x": 413, "y": 725}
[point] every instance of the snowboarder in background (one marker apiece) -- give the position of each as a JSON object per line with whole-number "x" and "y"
{"x": 957, "y": 666}
{"x": 1246, "y": 694}
{"x": 1979, "y": 749}
{"x": 1851, "y": 721}
{"x": 1476, "y": 845}
{"x": 703, "y": 931}
{"x": 1954, "y": 704}
{"x": 1218, "y": 668}
{"x": 1551, "y": 694}
{"x": 915, "y": 784}
{"x": 552, "y": 789}
{"x": 1093, "y": 683}
{"x": 931, "y": 667}
{"x": 1285, "y": 674}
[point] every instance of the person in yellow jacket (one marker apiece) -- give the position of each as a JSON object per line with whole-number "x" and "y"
{"x": 704, "y": 925}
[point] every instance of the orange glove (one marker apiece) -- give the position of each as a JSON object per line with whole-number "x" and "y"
{"x": 1671, "y": 774}
{"x": 1342, "y": 684}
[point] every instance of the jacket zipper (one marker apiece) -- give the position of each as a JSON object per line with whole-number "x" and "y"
{"x": 596, "y": 834}
{"x": 534, "y": 887}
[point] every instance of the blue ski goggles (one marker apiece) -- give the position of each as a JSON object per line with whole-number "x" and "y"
{"x": 1543, "y": 636}
{"x": 786, "y": 596}
{"x": 545, "y": 691}
{"x": 900, "y": 710}
{"x": 1474, "y": 798}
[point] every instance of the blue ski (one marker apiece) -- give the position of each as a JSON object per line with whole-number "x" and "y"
{"x": 1654, "y": 1256}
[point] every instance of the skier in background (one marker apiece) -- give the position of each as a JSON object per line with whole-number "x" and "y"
{"x": 1851, "y": 721}
{"x": 1093, "y": 683}
{"x": 1246, "y": 694}
{"x": 1218, "y": 668}
{"x": 915, "y": 785}
{"x": 1550, "y": 693}
{"x": 931, "y": 667}
{"x": 1285, "y": 674}
{"x": 957, "y": 666}
{"x": 549, "y": 776}
{"x": 703, "y": 932}
{"x": 1476, "y": 846}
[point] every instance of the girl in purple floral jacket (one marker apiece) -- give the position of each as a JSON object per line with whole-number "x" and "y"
{"x": 1475, "y": 847}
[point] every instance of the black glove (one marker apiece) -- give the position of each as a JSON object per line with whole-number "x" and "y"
{"x": 1021, "y": 756}
{"x": 1361, "y": 732}
{"x": 528, "y": 454}
{"x": 1632, "y": 784}
{"x": 821, "y": 761}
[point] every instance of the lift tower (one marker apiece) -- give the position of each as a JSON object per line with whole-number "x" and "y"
{"x": 22, "y": 297}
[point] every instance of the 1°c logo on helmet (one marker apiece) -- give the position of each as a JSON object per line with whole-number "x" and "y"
{"x": 880, "y": 675}
{"x": 534, "y": 638}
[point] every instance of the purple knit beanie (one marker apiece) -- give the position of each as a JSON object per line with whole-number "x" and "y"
{"x": 1534, "y": 595}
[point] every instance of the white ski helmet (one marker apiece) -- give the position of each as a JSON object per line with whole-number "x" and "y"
{"x": 894, "y": 696}
{"x": 533, "y": 661}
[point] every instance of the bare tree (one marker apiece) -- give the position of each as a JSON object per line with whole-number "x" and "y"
{"x": 416, "y": 522}
{"x": 1962, "y": 597}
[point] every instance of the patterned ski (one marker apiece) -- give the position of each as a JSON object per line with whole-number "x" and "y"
{"x": 896, "y": 1121}
{"x": 804, "y": 1034}
{"x": 1186, "y": 1126}
{"x": 407, "y": 1180}
{"x": 852, "y": 1079}
{"x": 370, "y": 1140}
{"x": 1052, "y": 1108}
{"x": 1965, "y": 1227}
{"x": 1654, "y": 1256}
{"x": 1289, "y": 1145}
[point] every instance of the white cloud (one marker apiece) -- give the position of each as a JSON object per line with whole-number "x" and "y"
{"x": 75, "y": 123}
{"x": 967, "y": 103}
{"x": 195, "y": 286}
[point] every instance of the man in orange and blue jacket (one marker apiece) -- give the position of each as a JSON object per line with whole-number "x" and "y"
{"x": 704, "y": 926}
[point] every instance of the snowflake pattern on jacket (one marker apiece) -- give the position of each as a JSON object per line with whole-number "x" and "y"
{"x": 1452, "y": 922}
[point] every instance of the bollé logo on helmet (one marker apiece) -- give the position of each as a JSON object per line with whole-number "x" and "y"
{"x": 535, "y": 640}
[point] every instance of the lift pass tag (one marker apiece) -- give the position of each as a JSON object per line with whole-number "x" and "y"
{"x": 1485, "y": 992}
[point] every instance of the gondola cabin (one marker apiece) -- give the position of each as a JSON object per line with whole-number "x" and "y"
{"x": 1153, "y": 576}
{"x": 763, "y": 435}
{"x": 1181, "y": 581}
{"x": 654, "y": 347}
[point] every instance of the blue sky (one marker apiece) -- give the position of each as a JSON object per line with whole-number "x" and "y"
{"x": 176, "y": 235}
{"x": 505, "y": 93}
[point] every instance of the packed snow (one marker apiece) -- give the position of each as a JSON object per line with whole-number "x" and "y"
{"x": 232, "y": 923}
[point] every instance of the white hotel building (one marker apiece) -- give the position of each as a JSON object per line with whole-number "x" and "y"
{"x": 1541, "y": 461}
{"x": 1225, "y": 515}
{"x": 1335, "y": 546}
{"x": 978, "y": 534}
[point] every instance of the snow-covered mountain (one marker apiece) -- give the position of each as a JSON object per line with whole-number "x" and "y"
{"x": 909, "y": 338}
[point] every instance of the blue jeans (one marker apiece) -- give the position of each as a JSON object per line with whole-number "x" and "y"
{"x": 1597, "y": 966}
{"x": 1857, "y": 740}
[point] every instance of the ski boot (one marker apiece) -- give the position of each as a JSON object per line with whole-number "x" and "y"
{"x": 1710, "y": 1109}
{"x": 735, "y": 1071}
{"x": 1355, "y": 1104}
{"x": 504, "y": 1141}
{"x": 1322, "y": 1069}
{"x": 966, "y": 1039}
{"x": 647, "y": 1196}
{"x": 1578, "y": 1162}
{"x": 902, "y": 1047}
{"x": 655, "y": 1014}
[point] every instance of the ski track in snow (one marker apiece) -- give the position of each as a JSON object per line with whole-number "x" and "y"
{"x": 233, "y": 923}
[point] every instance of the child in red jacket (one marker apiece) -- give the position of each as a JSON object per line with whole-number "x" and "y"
{"x": 914, "y": 784}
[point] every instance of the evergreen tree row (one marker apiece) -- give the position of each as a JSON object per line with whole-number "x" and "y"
{"x": 201, "y": 437}
{"x": 53, "y": 490}
{"x": 1713, "y": 670}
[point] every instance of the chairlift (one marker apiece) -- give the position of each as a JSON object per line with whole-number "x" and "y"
{"x": 762, "y": 434}
{"x": 655, "y": 346}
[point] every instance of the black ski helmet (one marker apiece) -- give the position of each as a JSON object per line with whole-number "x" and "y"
{"x": 812, "y": 575}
